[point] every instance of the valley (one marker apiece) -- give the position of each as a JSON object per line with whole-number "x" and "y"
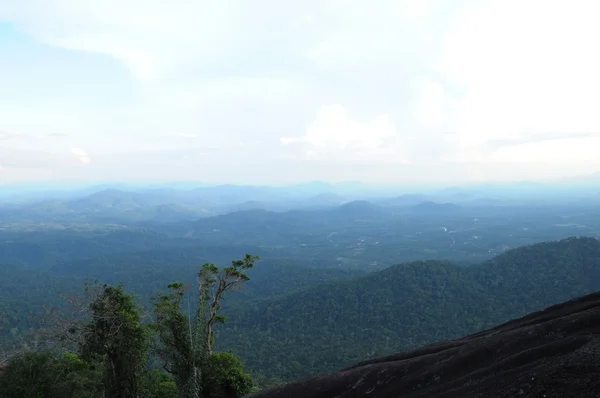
{"x": 336, "y": 283}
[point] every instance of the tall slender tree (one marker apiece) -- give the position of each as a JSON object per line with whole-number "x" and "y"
{"x": 185, "y": 341}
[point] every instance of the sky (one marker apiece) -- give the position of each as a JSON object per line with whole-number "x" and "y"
{"x": 270, "y": 91}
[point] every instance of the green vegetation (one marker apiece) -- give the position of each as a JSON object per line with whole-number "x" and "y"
{"x": 112, "y": 347}
{"x": 116, "y": 341}
{"x": 326, "y": 294}
{"x": 327, "y": 327}
{"x": 45, "y": 375}
{"x": 185, "y": 342}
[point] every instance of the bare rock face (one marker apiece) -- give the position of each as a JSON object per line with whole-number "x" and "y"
{"x": 551, "y": 353}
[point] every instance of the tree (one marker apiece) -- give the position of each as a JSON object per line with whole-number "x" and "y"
{"x": 185, "y": 341}
{"x": 117, "y": 341}
{"x": 181, "y": 357}
{"x": 213, "y": 283}
{"x": 42, "y": 374}
{"x": 159, "y": 384}
{"x": 224, "y": 377}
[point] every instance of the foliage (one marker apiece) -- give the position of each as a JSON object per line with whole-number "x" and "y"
{"x": 405, "y": 306}
{"x": 185, "y": 341}
{"x": 176, "y": 347}
{"x": 117, "y": 341}
{"x": 302, "y": 313}
{"x": 224, "y": 377}
{"x": 113, "y": 348}
{"x": 42, "y": 374}
{"x": 157, "y": 384}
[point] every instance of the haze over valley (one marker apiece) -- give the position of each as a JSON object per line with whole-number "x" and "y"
{"x": 319, "y": 199}
{"x": 465, "y": 250}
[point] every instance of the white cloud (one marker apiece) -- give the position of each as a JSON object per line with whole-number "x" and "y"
{"x": 183, "y": 135}
{"x": 432, "y": 109}
{"x": 524, "y": 73}
{"x": 568, "y": 150}
{"x": 81, "y": 155}
{"x": 425, "y": 82}
{"x": 149, "y": 36}
{"x": 335, "y": 132}
{"x": 7, "y": 135}
{"x": 366, "y": 35}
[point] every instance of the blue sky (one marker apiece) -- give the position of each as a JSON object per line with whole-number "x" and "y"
{"x": 270, "y": 91}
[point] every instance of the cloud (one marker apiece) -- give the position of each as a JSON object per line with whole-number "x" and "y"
{"x": 130, "y": 36}
{"x": 165, "y": 38}
{"x": 8, "y": 135}
{"x": 532, "y": 138}
{"x": 335, "y": 132}
{"x": 388, "y": 35}
{"x": 58, "y": 135}
{"x": 534, "y": 78}
{"x": 32, "y": 159}
{"x": 81, "y": 155}
{"x": 183, "y": 135}
{"x": 420, "y": 82}
{"x": 563, "y": 150}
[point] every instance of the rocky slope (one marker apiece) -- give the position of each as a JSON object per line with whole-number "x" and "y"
{"x": 551, "y": 353}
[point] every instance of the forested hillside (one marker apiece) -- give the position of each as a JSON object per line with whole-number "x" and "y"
{"x": 405, "y": 306}
{"x": 551, "y": 353}
{"x": 294, "y": 319}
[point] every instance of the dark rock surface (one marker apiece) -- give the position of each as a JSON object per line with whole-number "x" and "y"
{"x": 551, "y": 353}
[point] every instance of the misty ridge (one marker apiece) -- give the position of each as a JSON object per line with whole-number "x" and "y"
{"x": 346, "y": 272}
{"x": 322, "y": 199}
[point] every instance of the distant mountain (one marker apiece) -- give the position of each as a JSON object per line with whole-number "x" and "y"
{"x": 360, "y": 209}
{"x": 236, "y": 192}
{"x": 591, "y": 180}
{"x": 115, "y": 206}
{"x": 167, "y": 213}
{"x": 432, "y": 207}
{"x": 309, "y": 188}
{"x": 316, "y": 187}
{"x": 249, "y": 205}
{"x": 115, "y": 199}
{"x": 406, "y": 306}
{"x": 325, "y": 199}
{"x": 409, "y": 199}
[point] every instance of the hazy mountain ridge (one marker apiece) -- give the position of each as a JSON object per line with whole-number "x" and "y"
{"x": 304, "y": 306}
{"x": 145, "y": 203}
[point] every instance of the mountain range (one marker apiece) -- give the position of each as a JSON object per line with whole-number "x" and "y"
{"x": 345, "y": 276}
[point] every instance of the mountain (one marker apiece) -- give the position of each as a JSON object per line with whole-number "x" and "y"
{"x": 405, "y": 306}
{"x": 325, "y": 199}
{"x": 249, "y": 205}
{"x": 312, "y": 188}
{"x": 551, "y": 353}
{"x": 358, "y": 209}
{"x": 409, "y": 199}
{"x": 118, "y": 199}
{"x": 431, "y": 207}
{"x": 591, "y": 180}
{"x": 115, "y": 206}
